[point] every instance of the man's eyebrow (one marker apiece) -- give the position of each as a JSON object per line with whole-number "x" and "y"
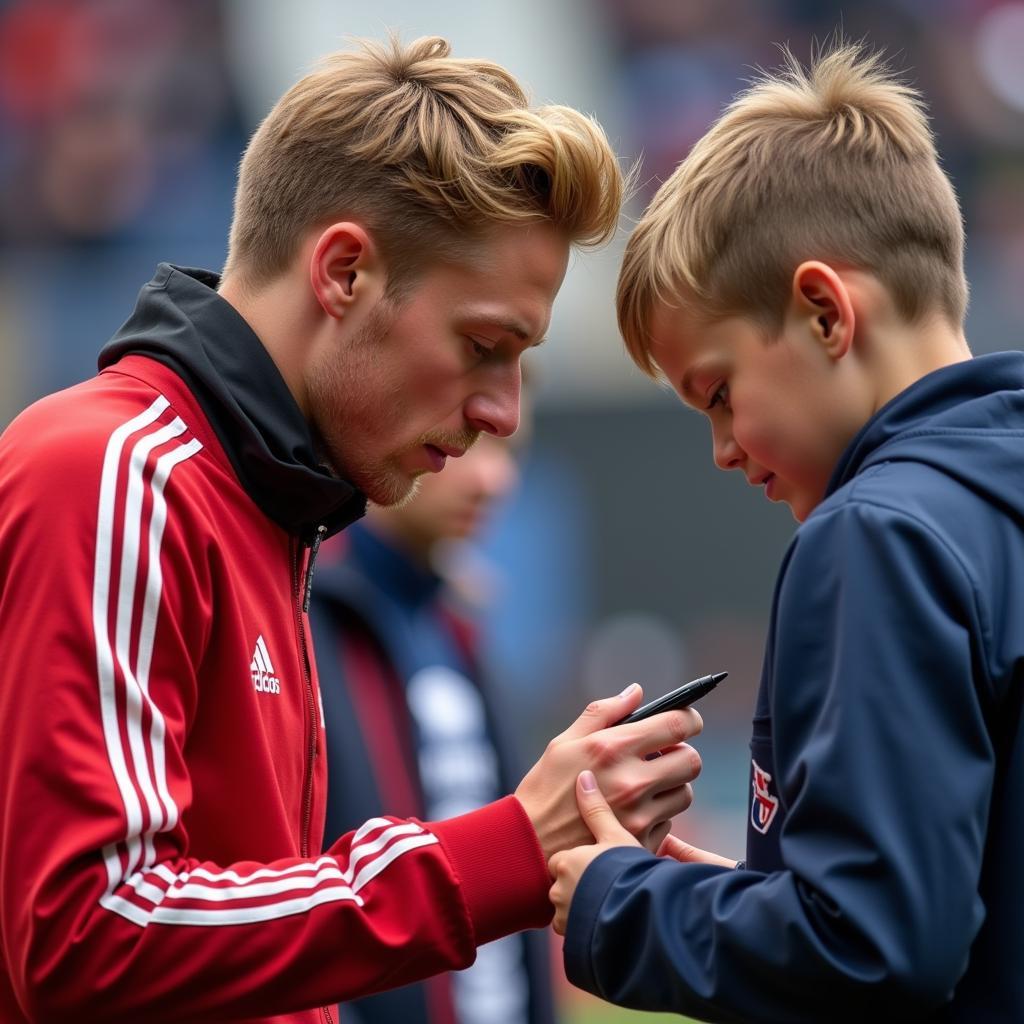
{"x": 506, "y": 324}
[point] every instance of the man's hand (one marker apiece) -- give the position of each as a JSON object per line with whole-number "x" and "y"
{"x": 644, "y": 794}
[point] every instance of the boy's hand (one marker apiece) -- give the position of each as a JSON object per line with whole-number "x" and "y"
{"x": 644, "y": 794}
{"x": 567, "y": 867}
{"x": 675, "y": 848}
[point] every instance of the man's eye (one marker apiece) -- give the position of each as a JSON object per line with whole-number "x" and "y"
{"x": 720, "y": 396}
{"x": 480, "y": 350}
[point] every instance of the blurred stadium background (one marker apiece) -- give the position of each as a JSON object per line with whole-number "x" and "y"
{"x": 626, "y": 556}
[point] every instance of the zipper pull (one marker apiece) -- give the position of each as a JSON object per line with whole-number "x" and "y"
{"x": 318, "y": 537}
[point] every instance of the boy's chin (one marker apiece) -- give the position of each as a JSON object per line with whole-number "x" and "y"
{"x": 801, "y": 508}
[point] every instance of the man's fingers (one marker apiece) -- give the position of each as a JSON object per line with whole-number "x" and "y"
{"x": 657, "y": 836}
{"x": 648, "y": 792}
{"x": 676, "y": 767}
{"x": 600, "y": 714}
{"x": 599, "y": 817}
{"x": 660, "y": 731}
{"x": 672, "y": 802}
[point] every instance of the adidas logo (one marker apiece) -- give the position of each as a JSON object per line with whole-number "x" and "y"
{"x": 262, "y": 669}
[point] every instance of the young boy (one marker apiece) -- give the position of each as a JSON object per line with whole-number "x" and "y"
{"x": 799, "y": 280}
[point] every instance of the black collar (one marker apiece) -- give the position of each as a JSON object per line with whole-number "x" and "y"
{"x": 182, "y": 322}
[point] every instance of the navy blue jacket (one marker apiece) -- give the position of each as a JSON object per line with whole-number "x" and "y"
{"x": 886, "y": 827}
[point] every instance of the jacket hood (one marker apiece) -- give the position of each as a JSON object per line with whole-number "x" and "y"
{"x": 959, "y": 420}
{"x": 182, "y": 322}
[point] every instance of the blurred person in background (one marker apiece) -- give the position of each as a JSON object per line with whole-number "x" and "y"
{"x": 413, "y": 725}
{"x": 402, "y": 224}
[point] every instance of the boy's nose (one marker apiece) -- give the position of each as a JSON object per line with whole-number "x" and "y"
{"x": 727, "y": 453}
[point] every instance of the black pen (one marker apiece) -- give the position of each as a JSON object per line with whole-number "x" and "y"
{"x": 682, "y": 697}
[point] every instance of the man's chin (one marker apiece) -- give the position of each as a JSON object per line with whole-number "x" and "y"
{"x": 386, "y": 486}
{"x": 392, "y": 493}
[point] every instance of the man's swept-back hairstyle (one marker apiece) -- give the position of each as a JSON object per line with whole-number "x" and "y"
{"x": 836, "y": 163}
{"x": 427, "y": 150}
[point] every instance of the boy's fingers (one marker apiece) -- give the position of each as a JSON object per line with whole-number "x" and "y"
{"x": 676, "y": 848}
{"x": 599, "y": 817}
{"x": 672, "y": 846}
{"x": 600, "y": 714}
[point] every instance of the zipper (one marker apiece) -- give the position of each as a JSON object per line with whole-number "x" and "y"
{"x": 321, "y": 532}
{"x": 311, "y": 746}
{"x": 314, "y": 730}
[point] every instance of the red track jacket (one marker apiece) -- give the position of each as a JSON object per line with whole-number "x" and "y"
{"x": 162, "y": 755}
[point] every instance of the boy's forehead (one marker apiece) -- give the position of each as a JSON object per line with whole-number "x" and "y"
{"x": 675, "y": 333}
{"x": 673, "y": 346}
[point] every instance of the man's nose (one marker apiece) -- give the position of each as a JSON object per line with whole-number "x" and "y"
{"x": 494, "y": 407}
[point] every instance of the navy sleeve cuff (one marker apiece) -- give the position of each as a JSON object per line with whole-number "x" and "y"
{"x": 601, "y": 874}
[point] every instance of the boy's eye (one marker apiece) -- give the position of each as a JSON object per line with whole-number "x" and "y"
{"x": 721, "y": 395}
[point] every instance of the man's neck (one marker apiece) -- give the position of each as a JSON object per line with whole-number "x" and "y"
{"x": 275, "y": 319}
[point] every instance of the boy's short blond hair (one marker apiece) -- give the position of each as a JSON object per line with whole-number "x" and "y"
{"x": 427, "y": 150}
{"x": 835, "y": 163}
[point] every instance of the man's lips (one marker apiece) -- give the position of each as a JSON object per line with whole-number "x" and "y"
{"x": 440, "y": 453}
{"x": 437, "y": 457}
{"x": 450, "y": 450}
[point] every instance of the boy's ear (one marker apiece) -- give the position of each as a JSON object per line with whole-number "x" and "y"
{"x": 821, "y": 299}
{"x": 345, "y": 269}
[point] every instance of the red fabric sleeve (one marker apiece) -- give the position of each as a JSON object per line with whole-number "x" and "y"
{"x": 486, "y": 848}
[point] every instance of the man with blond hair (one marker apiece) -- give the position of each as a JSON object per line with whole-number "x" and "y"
{"x": 403, "y": 221}
{"x": 799, "y": 280}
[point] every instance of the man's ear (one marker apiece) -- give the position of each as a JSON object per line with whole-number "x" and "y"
{"x": 821, "y": 299}
{"x": 345, "y": 269}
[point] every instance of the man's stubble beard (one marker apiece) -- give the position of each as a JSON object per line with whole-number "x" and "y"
{"x": 334, "y": 389}
{"x": 337, "y": 389}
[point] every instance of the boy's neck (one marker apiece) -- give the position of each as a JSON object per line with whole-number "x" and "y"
{"x": 902, "y": 353}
